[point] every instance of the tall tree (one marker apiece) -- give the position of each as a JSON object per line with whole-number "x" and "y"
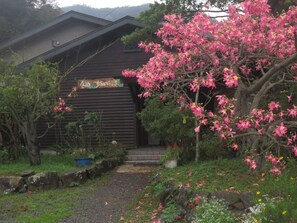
{"x": 27, "y": 97}
{"x": 17, "y": 16}
{"x": 251, "y": 52}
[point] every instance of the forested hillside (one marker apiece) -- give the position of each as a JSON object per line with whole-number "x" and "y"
{"x": 108, "y": 13}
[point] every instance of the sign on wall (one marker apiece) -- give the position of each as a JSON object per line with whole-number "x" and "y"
{"x": 100, "y": 83}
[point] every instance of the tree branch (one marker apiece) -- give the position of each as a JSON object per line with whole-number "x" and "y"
{"x": 271, "y": 73}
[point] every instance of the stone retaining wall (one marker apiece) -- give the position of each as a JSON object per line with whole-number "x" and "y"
{"x": 30, "y": 181}
{"x": 238, "y": 202}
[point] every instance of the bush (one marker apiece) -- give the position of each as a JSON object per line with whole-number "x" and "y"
{"x": 111, "y": 151}
{"x": 212, "y": 147}
{"x": 166, "y": 121}
{"x": 4, "y": 154}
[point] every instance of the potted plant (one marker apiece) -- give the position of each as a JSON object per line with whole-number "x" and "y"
{"x": 170, "y": 157}
{"x": 82, "y": 157}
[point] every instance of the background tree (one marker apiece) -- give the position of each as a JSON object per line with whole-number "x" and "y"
{"x": 251, "y": 52}
{"x": 28, "y": 97}
{"x": 153, "y": 17}
{"x": 17, "y": 16}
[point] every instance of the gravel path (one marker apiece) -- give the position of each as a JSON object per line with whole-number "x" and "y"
{"x": 109, "y": 201}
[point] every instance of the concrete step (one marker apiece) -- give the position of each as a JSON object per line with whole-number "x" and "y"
{"x": 143, "y": 157}
{"x": 143, "y": 162}
{"x": 146, "y": 152}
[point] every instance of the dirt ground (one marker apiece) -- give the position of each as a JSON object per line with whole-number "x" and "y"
{"x": 110, "y": 200}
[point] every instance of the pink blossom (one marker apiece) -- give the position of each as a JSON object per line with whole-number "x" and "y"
{"x": 280, "y": 130}
{"x": 292, "y": 112}
{"x": 251, "y": 162}
{"x": 260, "y": 131}
{"x": 197, "y": 110}
{"x": 289, "y": 98}
{"x": 274, "y": 105}
{"x": 276, "y": 171}
{"x": 273, "y": 160}
{"x": 68, "y": 109}
{"x": 235, "y": 146}
{"x": 197, "y": 129}
{"x": 209, "y": 81}
{"x": 56, "y": 109}
{"x": 243, "y": 125}
{"x": 230, "y": 78}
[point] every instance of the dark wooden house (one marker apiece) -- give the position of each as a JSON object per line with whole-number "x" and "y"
{"x": 91, "y": 55}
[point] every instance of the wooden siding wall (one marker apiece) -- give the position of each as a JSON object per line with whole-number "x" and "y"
{"x": 116, "y": 105}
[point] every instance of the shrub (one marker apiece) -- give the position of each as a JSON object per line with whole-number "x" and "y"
{"x": 171, "y": 153}
{"x": 172, "y": 213}
{"x": 4, "y": 154}
{"x": 166, "y": 121}
{"x": 111, "y": 151}
{"x": 212, "y": 147}
{"x": 213, "y": 211}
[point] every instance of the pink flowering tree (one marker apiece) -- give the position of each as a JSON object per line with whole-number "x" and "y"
{"x": 240, "y": 61}
{"x": 28, "y": 97}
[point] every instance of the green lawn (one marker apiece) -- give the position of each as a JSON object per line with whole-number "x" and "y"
{"x": 213, "y": 175}
{"x": 44, "y": 206}
{"x": 48, "y": 163}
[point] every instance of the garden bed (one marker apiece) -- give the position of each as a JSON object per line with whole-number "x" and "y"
{"x": 226, "y": 188}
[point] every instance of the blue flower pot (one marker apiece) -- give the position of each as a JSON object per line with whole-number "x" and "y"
{"x": 84, "y": 161}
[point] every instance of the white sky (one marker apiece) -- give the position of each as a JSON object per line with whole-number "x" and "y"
{"x": 104, "y": 3}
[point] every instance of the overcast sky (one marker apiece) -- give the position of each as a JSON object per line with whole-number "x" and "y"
{"x": 103, "y": 3}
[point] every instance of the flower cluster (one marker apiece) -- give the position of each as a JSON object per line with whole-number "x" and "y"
{"x": 250, "y": 161}
{"x": 62, "y": 106}
{"x": 73, "y": 92}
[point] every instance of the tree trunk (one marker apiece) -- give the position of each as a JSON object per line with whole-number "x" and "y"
{"x": 34, "y": 155}
{"x": 197, "y": 147}
{"x": 29, "y": 132}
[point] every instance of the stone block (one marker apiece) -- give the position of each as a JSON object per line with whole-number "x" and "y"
{"x": 44, "y": 180}
{"x": 74, "y": 177}
{"x": 229, "y": 197}
{"x": 11, "y": 183}
{"x": 94, "y": 171}
{"x": 247, "y": 199}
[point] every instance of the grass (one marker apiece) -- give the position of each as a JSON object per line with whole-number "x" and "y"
{"x": 219, "y": 175}
{"x": 213, "y": 176}
{"x": 44, "y": 206}
{"x": 48, "y": 163}
{"x": 142, "y": 208}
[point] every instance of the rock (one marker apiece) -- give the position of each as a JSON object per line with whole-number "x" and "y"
{"x": 48, "y": 180}
{"x": 11, "y": 183}
{"x": 24, "y": 189}
{"x": 107, "y": 165}
{"x": 71, "y": 177}
{"x": 247, "y": 199}
{"x": 229, "y": 197}
{"x": 204, "y": 194}
{"x": 9, "y": 191}
{"x": 27, "y": 173}
{"x": 238, "y": 205}
{"x": 94, "y": 171}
